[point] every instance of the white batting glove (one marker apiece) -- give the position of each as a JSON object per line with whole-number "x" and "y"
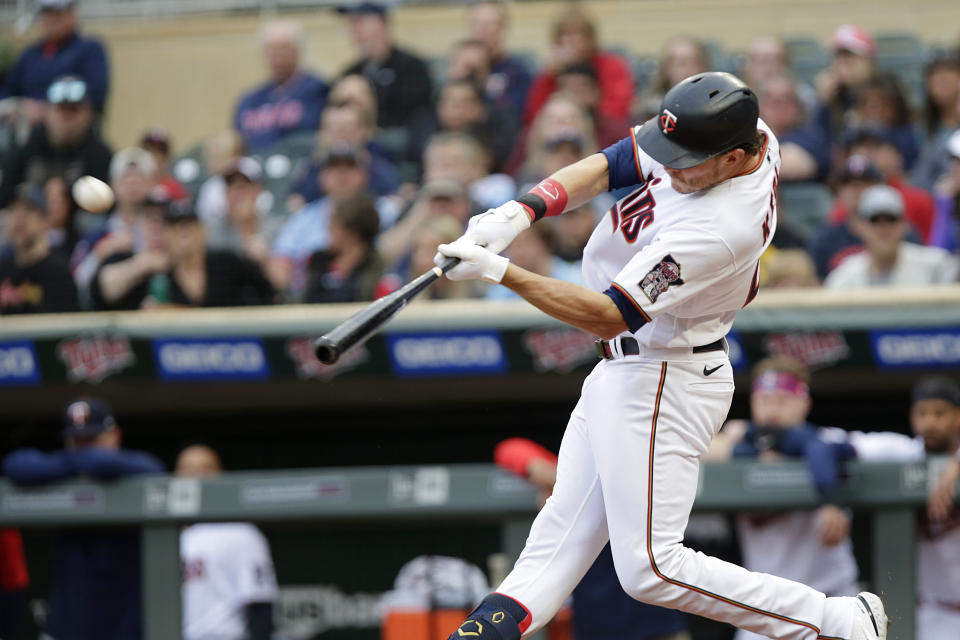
{"x": 476, "y": 262}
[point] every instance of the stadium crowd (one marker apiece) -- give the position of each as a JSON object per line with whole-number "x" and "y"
{"x": 337, "y": 189}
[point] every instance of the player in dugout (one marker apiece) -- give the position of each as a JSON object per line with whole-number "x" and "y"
{"x": 95, "y": 590}
{"x": 228, "y": 580}
{"x": 809, "y": 546}
{"x": 665, "y": 273}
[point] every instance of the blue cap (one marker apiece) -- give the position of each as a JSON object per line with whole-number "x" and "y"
{"x": 362, "y": 7}
{"x": 87, "y": 417}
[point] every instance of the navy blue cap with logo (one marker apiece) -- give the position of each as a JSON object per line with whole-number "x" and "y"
{"x": 87, "y": 417}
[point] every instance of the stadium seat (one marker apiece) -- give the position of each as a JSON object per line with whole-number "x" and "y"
{"x": 905, "y": 55}
{"x": 804, "y": 207}
{"x": 807, "y": 58}
{"x": 281, "y": 164}
{"x": 644, "y": 70}
{"x": 190, "y": 169}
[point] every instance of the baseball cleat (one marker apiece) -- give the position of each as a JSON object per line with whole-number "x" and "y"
{"x": 871, "y": 621}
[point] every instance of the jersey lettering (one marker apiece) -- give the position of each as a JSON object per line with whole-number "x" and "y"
{"x": 635, "y": 212}
{"x": 755, "y": 282}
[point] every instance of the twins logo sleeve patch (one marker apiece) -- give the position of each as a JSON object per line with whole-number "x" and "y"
{"x": 661, "y": 277}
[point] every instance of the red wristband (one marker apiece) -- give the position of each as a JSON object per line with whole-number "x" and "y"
{"x": 548, "y": 198}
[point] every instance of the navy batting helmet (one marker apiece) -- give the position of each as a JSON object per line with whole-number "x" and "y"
{"x": 701, "y": 117}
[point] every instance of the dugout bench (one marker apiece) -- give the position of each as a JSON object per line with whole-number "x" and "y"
{"x": 892, "y": 493}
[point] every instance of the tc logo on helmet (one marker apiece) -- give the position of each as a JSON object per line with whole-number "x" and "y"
{"x": 668, "y": 121}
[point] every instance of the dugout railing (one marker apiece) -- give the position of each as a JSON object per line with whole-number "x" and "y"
{"x": 892, "y": 494}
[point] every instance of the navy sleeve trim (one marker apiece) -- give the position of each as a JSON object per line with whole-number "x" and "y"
{"x": 624, "y": 170}
{"x": 632, "y": 314}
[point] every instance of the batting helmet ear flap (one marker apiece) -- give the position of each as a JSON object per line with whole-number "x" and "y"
{"x": 701, "y": 117}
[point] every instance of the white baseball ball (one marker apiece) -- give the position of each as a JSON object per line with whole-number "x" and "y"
{"x": 92, "y": 194}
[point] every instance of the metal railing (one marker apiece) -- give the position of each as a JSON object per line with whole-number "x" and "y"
{"x": 441, "y": 495}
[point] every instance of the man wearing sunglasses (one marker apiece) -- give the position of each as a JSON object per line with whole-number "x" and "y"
{"x": 60, "y": 50}
{"x": 887, "y": 259}
{"x": 65, "y": 144}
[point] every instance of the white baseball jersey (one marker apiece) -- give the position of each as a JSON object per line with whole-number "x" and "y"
{"x": 226, "y": 566}
{"x": 680, "y": 266}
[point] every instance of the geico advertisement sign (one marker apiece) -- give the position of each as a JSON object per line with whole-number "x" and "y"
{"x": 453, "y": 353}
{"x": 18, "y": 363}
{"x": 906, "y": 348}
{"x": 211, "y": 359}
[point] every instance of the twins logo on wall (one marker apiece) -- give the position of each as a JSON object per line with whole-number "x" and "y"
{"x": 304, "y": 357}
{"x": 560, "y": 350}
{"x": 94, "y": 359}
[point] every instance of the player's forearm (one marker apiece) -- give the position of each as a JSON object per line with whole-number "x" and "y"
{"x": 584, "y": 179}
{"x": 577, "y": 306}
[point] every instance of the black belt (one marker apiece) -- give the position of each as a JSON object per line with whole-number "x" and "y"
{"x": 630, "y": 347}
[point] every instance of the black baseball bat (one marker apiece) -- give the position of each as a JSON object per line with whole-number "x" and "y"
{"x": 364, "y": 323}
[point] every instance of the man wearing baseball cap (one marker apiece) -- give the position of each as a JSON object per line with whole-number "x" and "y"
{"x": 32, "y": 278}
{"x": 95, "y": 590}
{"x": 401, "y": 79}
{"x": 888, "y": 259}
{"x": 66, "y": 143}
{"x": 60, "y": 50}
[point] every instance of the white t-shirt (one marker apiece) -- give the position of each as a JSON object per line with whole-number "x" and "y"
{"x": 938, "y": 546}
{"x": 682, "y": 265}
{"x": 788, "y": 545}
{"x": 915, "y": 266}
{"x": 226, "y": 566}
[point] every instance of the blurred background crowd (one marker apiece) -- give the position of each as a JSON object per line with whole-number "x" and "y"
{"x": 338, "y": 188}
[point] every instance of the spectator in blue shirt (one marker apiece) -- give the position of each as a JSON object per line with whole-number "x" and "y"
{"x": 61, "y": 50}
{"x": 804, "y": 148}
{"x": 95, "y": 591}
{"x": 292, "y": 98}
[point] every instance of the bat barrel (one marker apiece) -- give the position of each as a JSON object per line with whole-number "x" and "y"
{"x": 327, "y": 350}
{"x": 361, "y": 325}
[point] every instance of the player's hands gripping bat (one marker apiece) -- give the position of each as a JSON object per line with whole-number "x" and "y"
{"x": 476, "y": 262}
{"x": 493, "y": 229}
{"x": 363, "y": 324}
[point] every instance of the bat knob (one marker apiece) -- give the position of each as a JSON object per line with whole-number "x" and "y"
{"x": 327, "y": 350}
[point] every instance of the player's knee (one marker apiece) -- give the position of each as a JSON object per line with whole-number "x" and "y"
{"x": 646, "y": 578}
{"x": 497, "y": 617}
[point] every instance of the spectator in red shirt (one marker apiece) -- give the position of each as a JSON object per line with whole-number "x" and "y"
{"x": 879, "y": 146}
{"x": 575, "y": 41}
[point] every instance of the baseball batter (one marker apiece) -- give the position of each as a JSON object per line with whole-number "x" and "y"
{"x": 665, "y": 273}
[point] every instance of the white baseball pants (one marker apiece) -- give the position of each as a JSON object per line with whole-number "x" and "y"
{"x": 628, "y": 472}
